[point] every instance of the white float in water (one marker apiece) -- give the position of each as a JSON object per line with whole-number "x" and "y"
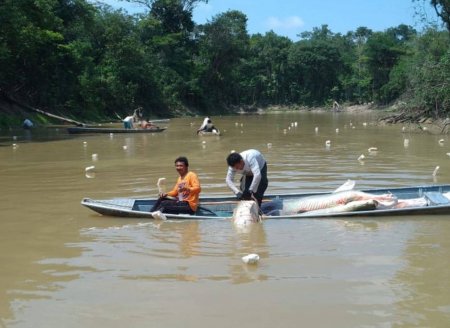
{"x": 269, "y": 145}
{"x": 406, "y": 143}
{"x": 372, "y": 149}
{"x": 125, "y": 147}
{"x": 364, "y": 124}
{"x": 435, "y": 171}
{"x": 337, "y": 130}
{"x": 95, "y": 157}
{"x": 441, "y": 141}
{"x": 250, "y": 258}
{"x": 89, "y": 168}
{"x": 361, "y": 157}
{"x": 327, "y": 143}
{"x": 84, "y": 143}
{"x": 316, "y": 129}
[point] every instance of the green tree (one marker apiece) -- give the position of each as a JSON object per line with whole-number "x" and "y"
{"x": 223, "y": 43}
{"x": 314, "y": 67}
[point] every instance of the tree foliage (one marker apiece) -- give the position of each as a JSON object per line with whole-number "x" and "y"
{"x": 92, "y": 61}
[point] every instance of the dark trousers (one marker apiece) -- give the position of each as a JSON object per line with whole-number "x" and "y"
{"x": 246, "y": 181}
{"x": 172, "y": 206}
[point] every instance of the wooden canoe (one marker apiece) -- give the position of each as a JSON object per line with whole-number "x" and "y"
{"x": 79, "y": 129}
{"x": 434, "y": 198}
{"x": 212, "y": 133}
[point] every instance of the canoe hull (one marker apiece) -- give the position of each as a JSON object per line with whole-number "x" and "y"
{"x": 85, "y": 130}
{"x": 222, "y": 207}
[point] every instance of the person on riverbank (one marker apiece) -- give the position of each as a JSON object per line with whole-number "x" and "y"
{"x": 184, "y": 197}
{"x": 27, "y": 124}
{"x": 253, "y": 167}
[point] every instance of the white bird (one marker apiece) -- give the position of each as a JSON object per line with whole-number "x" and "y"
{"x": 360, "y": 158}
{"x": 337, "y": 130}
{"x": 372, "y": 149}
{"x": 441, "y": 141}
{"x": 94, "y": 157}
{"x": 84, "y": 143}
{"x": 250, "y": 258}
{"x": 125, "y": 147}
{"x": 269, "y": 145}
{"x": 406, "y": 143}
{"x": 327, "y": 143}
{"x": 316, "y": 129}
{"x": 364, "y": 124}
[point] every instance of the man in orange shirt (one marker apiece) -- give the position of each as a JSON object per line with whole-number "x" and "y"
{"x": 184, "y": 197}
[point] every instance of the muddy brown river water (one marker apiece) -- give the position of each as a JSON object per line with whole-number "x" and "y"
{"x": 65, "y": 266}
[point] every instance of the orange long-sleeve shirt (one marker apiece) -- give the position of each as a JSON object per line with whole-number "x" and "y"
{"x": 191, "y": 196}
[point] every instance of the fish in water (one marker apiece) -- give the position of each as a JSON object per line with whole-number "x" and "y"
{"x": 246, "y": 212}
{"x": 319, "y": 202}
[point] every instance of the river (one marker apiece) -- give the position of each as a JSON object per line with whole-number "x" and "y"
{"x": 66, "y": 266}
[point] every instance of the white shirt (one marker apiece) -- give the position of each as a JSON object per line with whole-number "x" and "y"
{"x": 253, "y": 164}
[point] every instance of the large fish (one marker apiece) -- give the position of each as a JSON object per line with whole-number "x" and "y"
{"x": 319, "y": 202}
{"x": 357, "y": 205}
{"x": 246, "y": 212}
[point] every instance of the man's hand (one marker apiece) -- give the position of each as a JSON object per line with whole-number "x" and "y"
{"x": 239, "y": 195}
{"x": 247, "y": 195}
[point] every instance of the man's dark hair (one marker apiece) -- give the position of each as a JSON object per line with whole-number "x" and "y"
{"x": 233, "y": 159}
{"x": 182, "y": 159}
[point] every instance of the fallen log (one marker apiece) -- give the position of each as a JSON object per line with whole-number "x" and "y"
{"x": 61, "y": 118}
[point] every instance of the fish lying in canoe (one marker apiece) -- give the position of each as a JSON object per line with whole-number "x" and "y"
{"x": 357, "y": 205}
{"x": 320, "y": 202}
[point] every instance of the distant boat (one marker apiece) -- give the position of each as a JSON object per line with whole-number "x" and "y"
{"x": 80, "y": 129}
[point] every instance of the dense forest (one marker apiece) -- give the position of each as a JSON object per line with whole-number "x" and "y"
{"x": 90, "y": 61}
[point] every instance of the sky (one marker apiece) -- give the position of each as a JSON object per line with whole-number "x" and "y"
{"x": 291, "y": 17}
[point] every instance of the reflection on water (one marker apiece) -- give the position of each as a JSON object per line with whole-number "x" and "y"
{"x": 67, "y": 266}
